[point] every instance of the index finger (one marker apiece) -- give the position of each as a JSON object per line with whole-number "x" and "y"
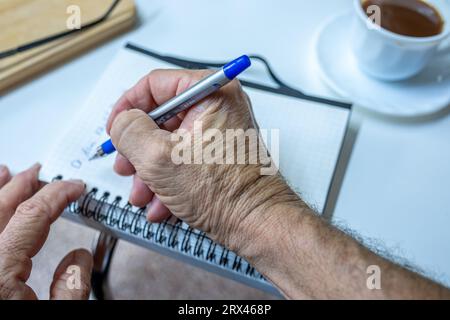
{"x": 154, "y": 89}
{"x": 28, "y": 229}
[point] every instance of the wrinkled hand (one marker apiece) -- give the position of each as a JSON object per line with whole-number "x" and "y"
{"x": 27, "y": 209}
{"x": 219, "y": 199}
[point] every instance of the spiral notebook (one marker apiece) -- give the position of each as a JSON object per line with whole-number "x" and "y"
{"x": 311, "y": 136}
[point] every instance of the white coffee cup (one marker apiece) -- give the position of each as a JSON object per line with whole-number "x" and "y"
{"x": 386, "y": 55}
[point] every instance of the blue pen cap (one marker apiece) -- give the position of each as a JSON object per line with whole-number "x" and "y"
{"x": 236, "y": 67}
{"x": 108, "y": 147}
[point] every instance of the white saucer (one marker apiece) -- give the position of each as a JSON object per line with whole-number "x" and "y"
{"x": 424, "y": 94}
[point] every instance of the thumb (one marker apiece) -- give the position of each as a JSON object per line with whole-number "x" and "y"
{"x": 137, "y": 137}
{"x": 72, "y": 278}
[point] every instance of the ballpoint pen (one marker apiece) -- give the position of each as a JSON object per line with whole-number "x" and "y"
{"x": 188, "y": 98}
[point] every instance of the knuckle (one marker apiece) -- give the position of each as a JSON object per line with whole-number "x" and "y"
{"x": 122, "y": 125}
{"x": 34, "y": 208}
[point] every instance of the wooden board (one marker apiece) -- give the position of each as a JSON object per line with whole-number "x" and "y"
{"x": 24, "y": 21}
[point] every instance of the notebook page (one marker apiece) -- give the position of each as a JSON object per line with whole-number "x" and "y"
{"x": 310, "y": 134}
{"x": 69, "y": 158}
{"x": 310, "y": 139}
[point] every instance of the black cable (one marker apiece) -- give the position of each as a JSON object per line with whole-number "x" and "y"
{"x": 283, "y": 88}
{"x": 40, "y": 42}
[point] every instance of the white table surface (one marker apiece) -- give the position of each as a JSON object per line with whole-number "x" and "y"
{"x": 397, "y": 184}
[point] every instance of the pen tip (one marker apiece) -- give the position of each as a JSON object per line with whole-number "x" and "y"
{"x": 99, "y": 154}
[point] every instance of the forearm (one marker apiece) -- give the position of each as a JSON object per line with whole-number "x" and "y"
{"x": 305, "y": 257}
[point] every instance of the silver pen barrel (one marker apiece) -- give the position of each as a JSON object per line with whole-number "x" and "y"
{"x": 190, "y": 97}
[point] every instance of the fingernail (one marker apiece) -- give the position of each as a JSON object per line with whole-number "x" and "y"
{"x": 150, "y": 216}
{"x": 151, "y": 211}
{"x": 77, "y": 181}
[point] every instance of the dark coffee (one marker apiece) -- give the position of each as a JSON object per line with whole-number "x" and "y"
{"x": 414, "y": 18}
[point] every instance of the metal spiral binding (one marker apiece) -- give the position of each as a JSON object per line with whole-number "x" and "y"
{"x": 95, "y": 205}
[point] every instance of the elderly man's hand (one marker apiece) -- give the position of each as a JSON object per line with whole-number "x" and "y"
{"x": 221, "y": 199}
{"x": 26, "y": 212}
